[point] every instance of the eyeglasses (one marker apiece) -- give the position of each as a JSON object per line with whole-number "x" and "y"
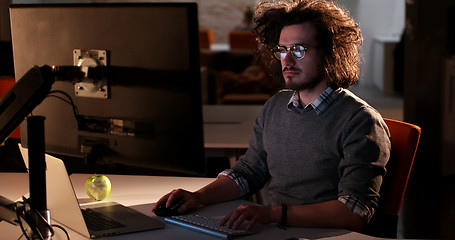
{"x": 280, "y": 52}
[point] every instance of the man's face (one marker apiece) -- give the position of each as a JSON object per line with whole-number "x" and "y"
{"x": 303, "y": 74}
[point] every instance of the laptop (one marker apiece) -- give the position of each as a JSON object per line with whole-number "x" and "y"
{"x": 65, "y": 208}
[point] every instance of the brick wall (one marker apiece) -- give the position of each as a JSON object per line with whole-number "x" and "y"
{"x": 219, "y": 15}
{"x": 222, "y": 16}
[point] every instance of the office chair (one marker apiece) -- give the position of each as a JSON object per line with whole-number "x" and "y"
{"x": 405, "y": 139}
{"x": 206, "y": 38}
{"x": 5, "y": 84}
{"x": 242, "y": 39}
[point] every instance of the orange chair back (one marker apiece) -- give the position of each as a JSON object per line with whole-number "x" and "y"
{"x": 242, "y": 39}
{"x": 405, "y": 139}
{"x": 206, "y": 38}
{"x": 5, "y": 84}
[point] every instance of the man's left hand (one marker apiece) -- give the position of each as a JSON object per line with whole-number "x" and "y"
{"x": 253, "y": 214}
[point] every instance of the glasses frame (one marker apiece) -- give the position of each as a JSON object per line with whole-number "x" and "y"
{"x": 278, "y": 54}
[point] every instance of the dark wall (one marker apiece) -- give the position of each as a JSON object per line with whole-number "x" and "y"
{"x": 428, "y": 210}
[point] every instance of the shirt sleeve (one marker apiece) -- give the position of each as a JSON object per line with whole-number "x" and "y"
{"x": 241, "y": 182}
{"x": 358, "y": 207}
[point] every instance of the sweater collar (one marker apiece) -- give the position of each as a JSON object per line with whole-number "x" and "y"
{"x": 320, "y": 104}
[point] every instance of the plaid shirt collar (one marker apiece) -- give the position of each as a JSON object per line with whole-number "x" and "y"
{"x": 320, "y": 104}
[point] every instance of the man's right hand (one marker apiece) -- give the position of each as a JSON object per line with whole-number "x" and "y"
{"x": 221, "y": 190}
{"x": 190, "y": 200}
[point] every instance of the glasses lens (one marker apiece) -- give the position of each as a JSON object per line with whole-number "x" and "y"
{"x": 279, "y": 52}
{"x": 298, "y": 51}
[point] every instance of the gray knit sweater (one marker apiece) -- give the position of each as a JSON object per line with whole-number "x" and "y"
{"x": 310, "y": 158}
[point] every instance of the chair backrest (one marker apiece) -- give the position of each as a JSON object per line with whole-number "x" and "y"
{"x": 242, "y": 39}
{"x": 405, "y": 139}
{"x": 206, "y": 38}
{"x": 5, "y": 84}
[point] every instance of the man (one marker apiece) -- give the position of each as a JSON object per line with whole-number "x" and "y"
{"x": 321, "y": 150}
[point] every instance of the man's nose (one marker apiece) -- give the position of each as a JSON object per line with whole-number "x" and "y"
{"x": 289, "y": 59}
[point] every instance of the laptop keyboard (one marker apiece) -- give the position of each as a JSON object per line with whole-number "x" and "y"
{"x": 206, "y": 225}
{"x": 98, "y": 222}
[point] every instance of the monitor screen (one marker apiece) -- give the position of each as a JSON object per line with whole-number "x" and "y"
{"x": 146, "y": 111}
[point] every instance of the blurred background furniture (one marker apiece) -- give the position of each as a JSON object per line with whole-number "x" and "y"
{"x": 206, "y": 38}
{"x": 242, "y": 39}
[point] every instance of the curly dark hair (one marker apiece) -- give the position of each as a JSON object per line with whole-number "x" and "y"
{"x": 339, "y": 36}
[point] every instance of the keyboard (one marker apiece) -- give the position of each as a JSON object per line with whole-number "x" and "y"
{"x": 206, "y": 225}
{"x": 98, "y": 222}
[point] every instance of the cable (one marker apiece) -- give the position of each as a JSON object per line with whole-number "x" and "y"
{"x": 69, "y": 101}
{"x": 24, "y": 232}
{"x": 63, "y": 229}
{"x": 22, "y": 212}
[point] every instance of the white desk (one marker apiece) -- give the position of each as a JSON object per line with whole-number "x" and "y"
{"x": 230, "y": 113}
{"x": 140, "y": 192}
{"x": 227, "y": 136}
{"x": 228, "y": 129}
{"x": 226, "y": 140}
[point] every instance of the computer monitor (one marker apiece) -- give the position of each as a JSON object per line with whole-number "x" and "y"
{"x": 147, "y": 111}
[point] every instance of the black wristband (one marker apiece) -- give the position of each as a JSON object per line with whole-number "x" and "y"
{"x": 284, "y": 216}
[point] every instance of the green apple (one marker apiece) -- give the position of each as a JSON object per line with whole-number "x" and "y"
{"x": 98, "y": 187}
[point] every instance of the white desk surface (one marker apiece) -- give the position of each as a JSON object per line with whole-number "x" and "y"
{"x": 229, "y": 126}
{"x": 141, "y": 192}
{"x": 227, "y": 136}
{"x": 230, "y": 113}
